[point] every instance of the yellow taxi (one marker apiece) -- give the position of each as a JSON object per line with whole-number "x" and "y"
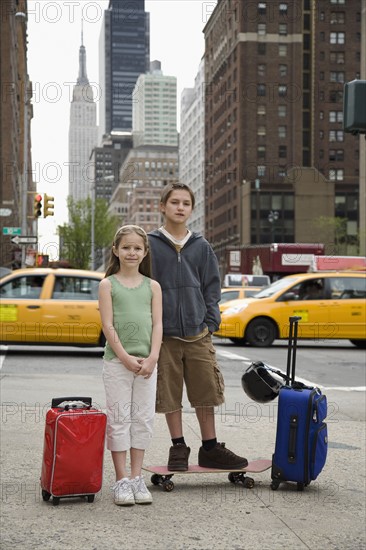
{"x": 331, "y": 305}
{"x": 51, "y": 306}
{"x": 236, "y": 293}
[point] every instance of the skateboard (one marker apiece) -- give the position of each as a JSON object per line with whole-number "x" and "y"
{"x": 162, "y": 476}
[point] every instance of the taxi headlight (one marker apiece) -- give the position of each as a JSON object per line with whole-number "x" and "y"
{"x": 234, "y": 309}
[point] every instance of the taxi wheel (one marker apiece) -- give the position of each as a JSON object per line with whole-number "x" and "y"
{"x": 359, "y": 343}
{"x": 261, "y": 332}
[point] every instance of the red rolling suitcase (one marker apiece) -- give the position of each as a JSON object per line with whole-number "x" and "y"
{"x": 73, "y": 449}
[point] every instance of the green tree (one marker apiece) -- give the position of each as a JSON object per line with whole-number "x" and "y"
{"x": 75, "y": 236}
{"x": 336, "y": 229}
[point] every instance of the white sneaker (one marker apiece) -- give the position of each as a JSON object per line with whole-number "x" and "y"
{"x": 141, "y": 492}
{"x": 123, "y": 494}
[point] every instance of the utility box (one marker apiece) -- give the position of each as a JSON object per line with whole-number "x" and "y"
{"x": 354, "y": 107}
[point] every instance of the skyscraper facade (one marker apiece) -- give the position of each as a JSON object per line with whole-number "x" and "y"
{"x": 124, "y": 54}
{"x": 274, "y": 75}
{"x": 154, "y": 112}
{"x": 83, "y": 134}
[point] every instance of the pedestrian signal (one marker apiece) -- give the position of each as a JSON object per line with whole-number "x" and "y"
{"x": 48, "y": 206}
{"x": 37, "y": 207}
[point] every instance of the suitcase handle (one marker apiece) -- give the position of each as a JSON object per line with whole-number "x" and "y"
{"x": 56, "y": 401}
{"x": 292, "y": 344}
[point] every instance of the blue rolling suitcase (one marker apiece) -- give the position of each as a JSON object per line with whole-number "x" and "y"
{"x": 301, "y": 438}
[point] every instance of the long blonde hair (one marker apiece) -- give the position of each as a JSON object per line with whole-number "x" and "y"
{"x": 113, "y": 264}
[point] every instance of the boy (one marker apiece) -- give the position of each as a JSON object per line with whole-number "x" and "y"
{"x": 186, "y": 267}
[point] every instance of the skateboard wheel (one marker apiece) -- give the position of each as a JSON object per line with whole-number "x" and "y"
{"x": 155, "y": 479}
{"x": 91, "y": 498}
{"x": 46, "y": 495}
{"x": 248, "y": 482}
{"x": 232, "y": 478}
{"x": 168, "y": 486}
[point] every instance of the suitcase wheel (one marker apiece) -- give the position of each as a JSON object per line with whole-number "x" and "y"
{"x": 275, "y": 484}
{"x": 300, "y": 486}
{"x": 55, "y": 501}
{"x": 46, "y": 495}
{"x": 91, "y": 498}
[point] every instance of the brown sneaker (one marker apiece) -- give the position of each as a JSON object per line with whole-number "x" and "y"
{"x": 178, "y": 458}
{"x": 221, "y": 458}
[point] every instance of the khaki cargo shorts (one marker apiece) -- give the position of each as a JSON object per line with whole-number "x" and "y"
{"x": 193, "y": 363}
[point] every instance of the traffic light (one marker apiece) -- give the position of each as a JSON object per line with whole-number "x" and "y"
{"x": 37, "y": 207}
{"x": 48, "y": 206}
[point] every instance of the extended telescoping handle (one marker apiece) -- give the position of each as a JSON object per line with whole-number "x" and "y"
{"x": 56, "y": 401}
{"x": 292, "y": 344}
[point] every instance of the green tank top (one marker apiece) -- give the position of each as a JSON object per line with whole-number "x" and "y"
{"x": 132, "y": 317}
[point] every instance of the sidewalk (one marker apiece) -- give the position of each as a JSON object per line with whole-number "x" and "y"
{"x": 203, "y": 511}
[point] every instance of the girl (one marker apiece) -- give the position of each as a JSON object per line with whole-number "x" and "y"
{"x": 130, "y": 305}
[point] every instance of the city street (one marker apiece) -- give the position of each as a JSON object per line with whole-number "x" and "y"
{"x": 328, "y": 514}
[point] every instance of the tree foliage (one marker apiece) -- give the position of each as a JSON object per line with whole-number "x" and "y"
{"x": 337, "y": 228}
{"x": 75, "y": 236}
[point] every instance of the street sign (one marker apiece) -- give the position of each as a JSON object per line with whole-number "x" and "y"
{"x": 23, "y": 239}
{"x": 4, "y": 212}
{"x": 12, "y": 230}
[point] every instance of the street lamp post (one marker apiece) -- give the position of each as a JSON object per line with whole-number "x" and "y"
{"x": 272, "y": 218}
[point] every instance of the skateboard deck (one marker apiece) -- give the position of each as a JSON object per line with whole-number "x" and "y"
{"x": 162, "y": 476}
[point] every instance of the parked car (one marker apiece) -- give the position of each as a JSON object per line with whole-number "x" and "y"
{"x": 235, "y": 293}
{"x": 331, "y": 305}
{"x": 51, "y": 306}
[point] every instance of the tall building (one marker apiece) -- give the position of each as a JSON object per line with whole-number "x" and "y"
{"x": 83, "y": 133}
{"x": 154, "y": 110}
{"x": 192, "y": 146}
{"x": 16, "y": 112}
{"x": 274, "y": 74}
{"x": 124, "y": 54}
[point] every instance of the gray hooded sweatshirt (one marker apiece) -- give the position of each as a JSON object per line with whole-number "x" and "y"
{"x": 190, "y": 282}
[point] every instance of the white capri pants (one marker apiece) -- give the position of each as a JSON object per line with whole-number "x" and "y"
{"x": 130, "y": 401}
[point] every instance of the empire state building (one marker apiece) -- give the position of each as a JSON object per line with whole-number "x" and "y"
{"x": 82, "y": 133}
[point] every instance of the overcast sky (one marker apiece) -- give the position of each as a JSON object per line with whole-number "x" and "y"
{"x": 54, "y": 38}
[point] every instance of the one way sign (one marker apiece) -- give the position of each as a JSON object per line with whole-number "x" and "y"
{"x": 23, "y": 239}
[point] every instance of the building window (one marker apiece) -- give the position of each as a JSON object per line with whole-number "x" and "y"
{"x": 261, "y": 29}
{"x": 336, "y": 76}
{"x": 337, "y": 57}
{"x": 337, "y": 1}
{"x": 261, "y": 131}
{"x": 282, "y": 50}
{"x": 283, "y": 8}
{"x": 282, "y": 151}
{"x": 282, "y": 110}
{"x": 283, "y": 70}
{"x": 337, "y": 37}
{"x": 261, "y": 152}
{"x": 335, "y": 175}
{"x": 262, "y": 7}
{"x": 261, "y": 170}
{"x": 282, "y": 29}
{"x": 336, "y": 96}
{"x": 336, "y": 155}
{"x": 261, "y": 70}
{"x": 337, "y": 17}
{"x": 261, "y": 89}
{"x": 261, "y": 48}
{"x": 282, "y": 90}
{"x": 335, "y": 135}
{"x": 335, "y": 116}
{"x": 282, "y": 131}
{"x": 261, "y": 110}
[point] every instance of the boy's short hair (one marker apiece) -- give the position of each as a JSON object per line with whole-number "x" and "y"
{"x": 170, "y": 187}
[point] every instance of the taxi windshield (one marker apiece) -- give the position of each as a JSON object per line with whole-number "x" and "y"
{"x": 275, "y": 287}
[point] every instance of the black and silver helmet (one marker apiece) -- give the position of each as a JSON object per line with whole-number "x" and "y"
{"x": 261, "y": 382}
